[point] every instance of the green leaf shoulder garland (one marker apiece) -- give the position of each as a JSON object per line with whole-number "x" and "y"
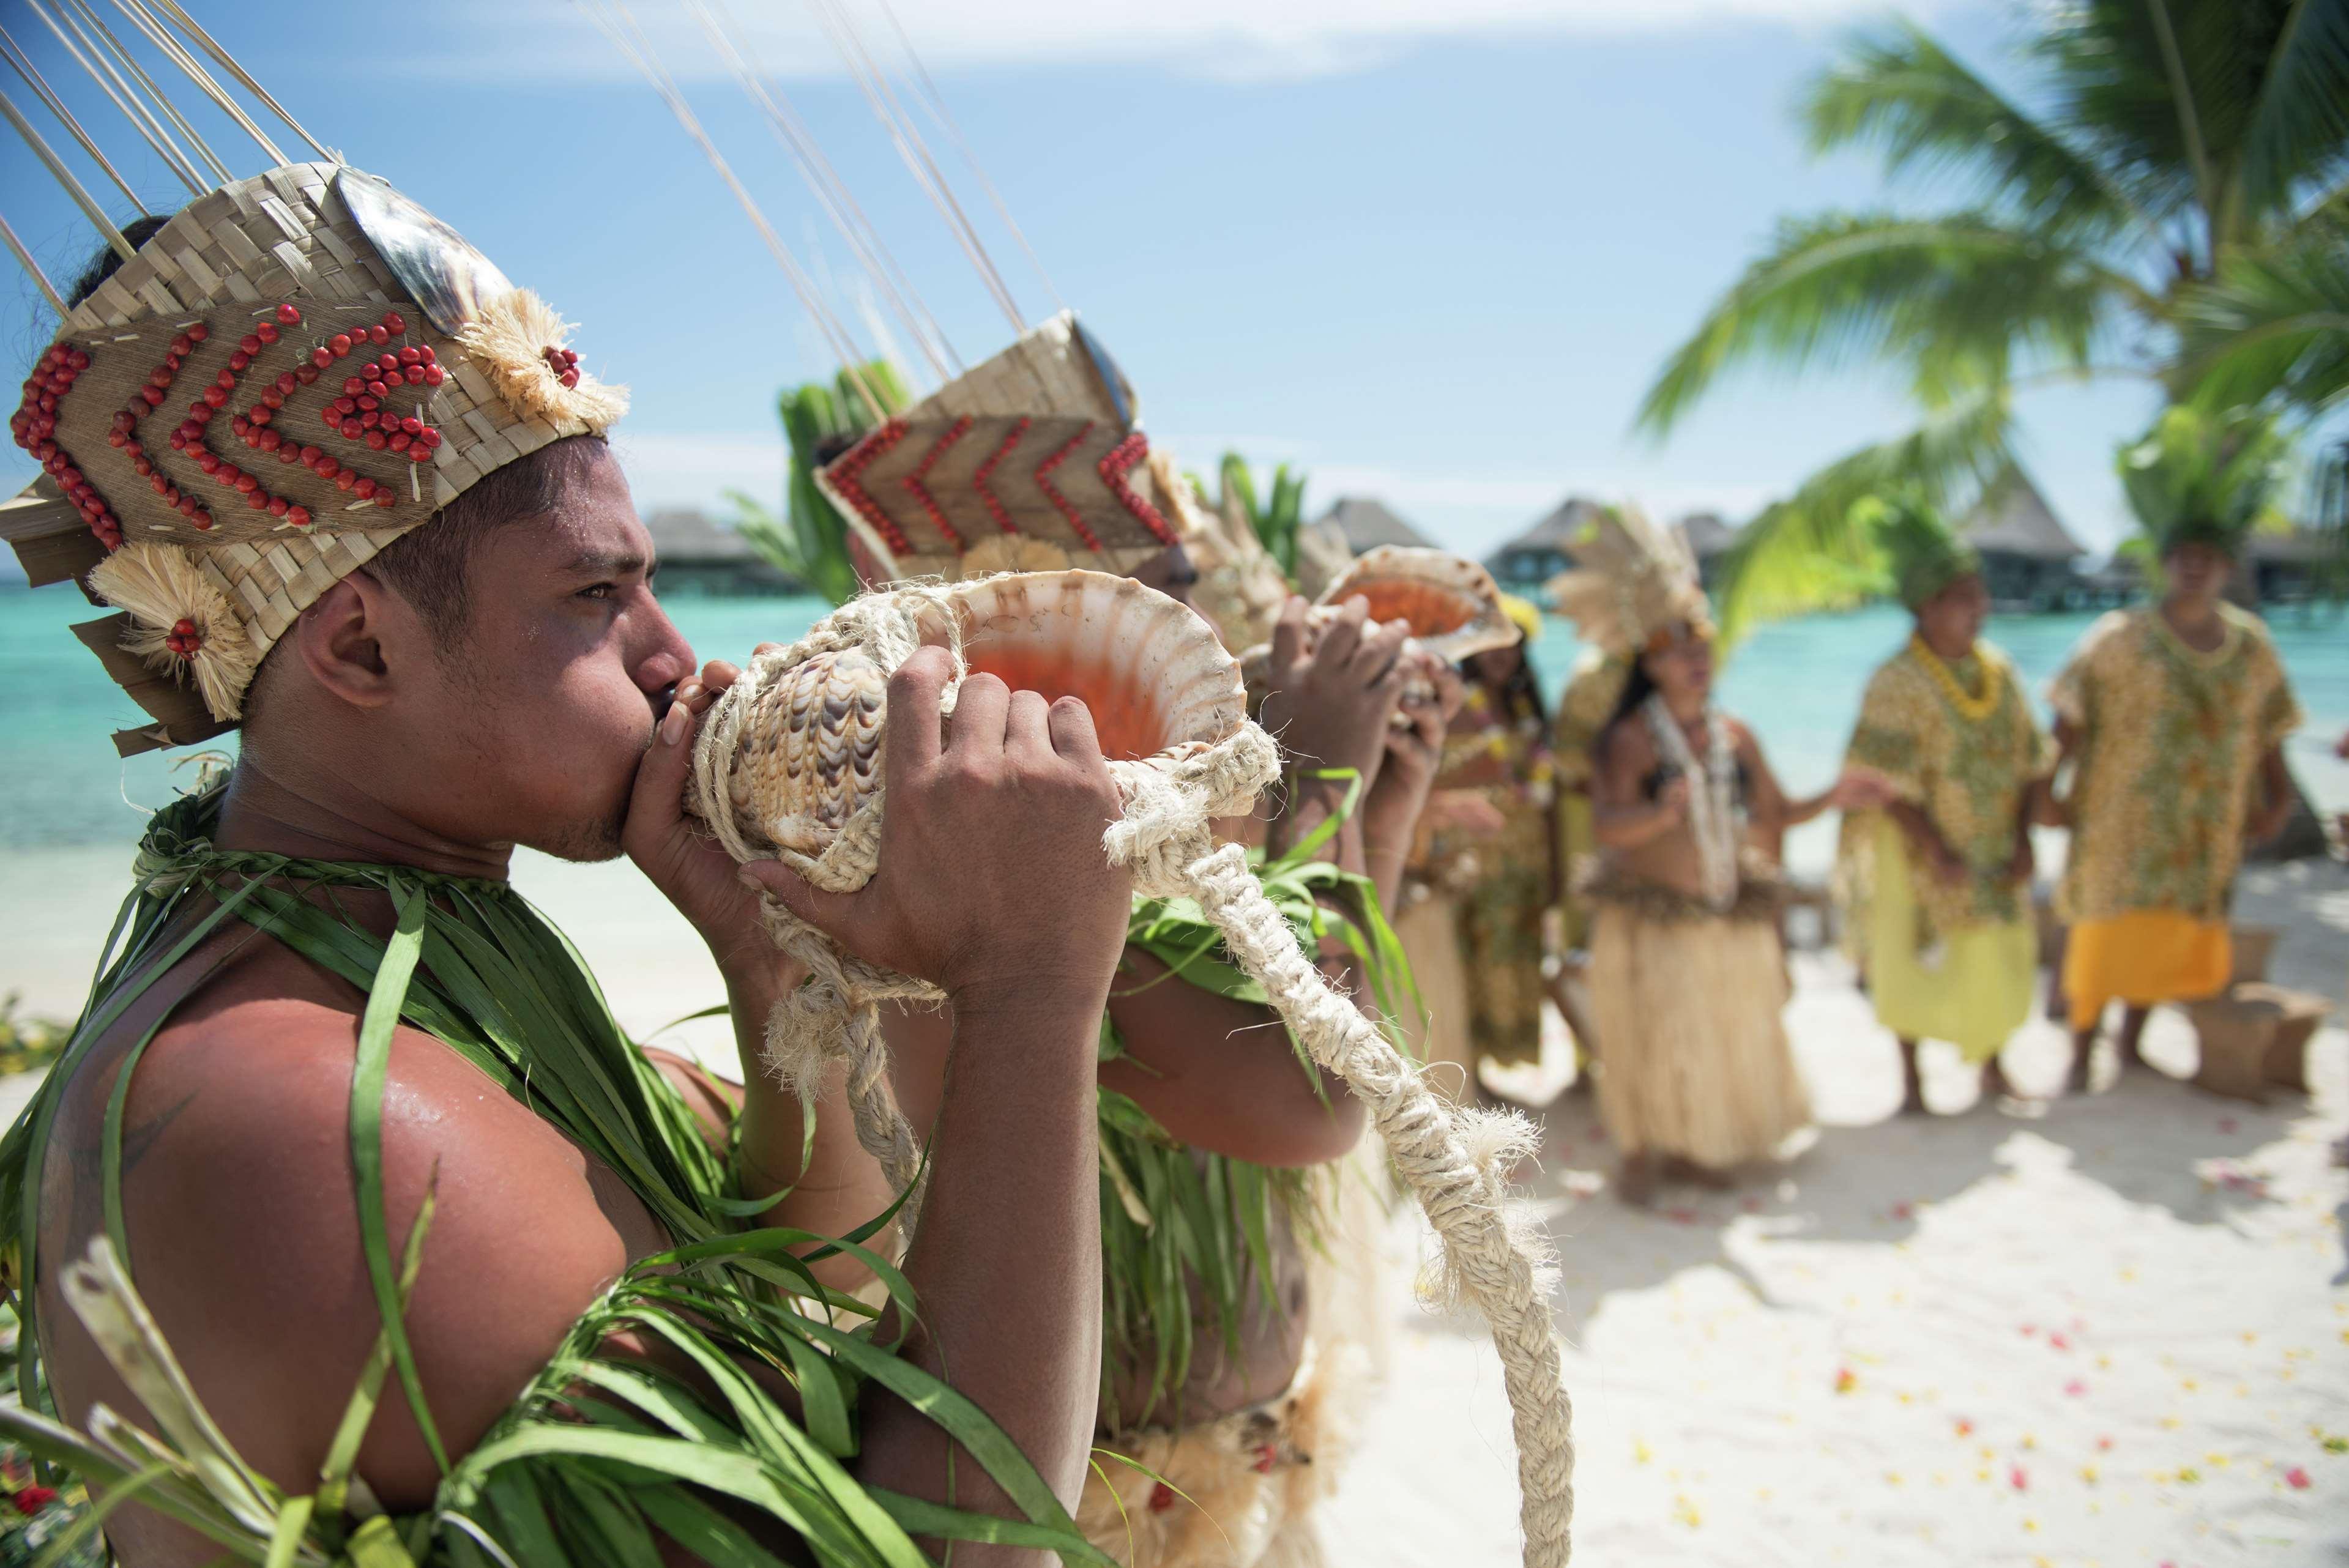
{"x": 600, "y": 1457}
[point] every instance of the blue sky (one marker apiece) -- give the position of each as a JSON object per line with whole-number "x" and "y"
{"x": 1429, "y": 249}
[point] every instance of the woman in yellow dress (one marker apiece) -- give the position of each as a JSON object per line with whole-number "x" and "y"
{"x": 1937, "y": 880}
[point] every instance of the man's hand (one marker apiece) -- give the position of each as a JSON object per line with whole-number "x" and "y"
{"x": 1329, "y": 704}
{"x": 993, "y": 883}
{"x": 685, "y": 863}
{"x": 1414, "y": 751}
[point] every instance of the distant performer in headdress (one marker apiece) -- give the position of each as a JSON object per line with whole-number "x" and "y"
{"x": 2167, "y": 716}
{"x": 1688, "y": 974}
{"x": 1938, "y": 880}
{"x": 1485, "y": 864}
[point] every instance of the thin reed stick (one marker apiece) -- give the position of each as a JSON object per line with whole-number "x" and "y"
{"x": 936, "y": 103}
{"x": 101, "y": 71}
{"x": 915, "y": 154}
{"x": 191, "y": 67}
{"x": 65, "y": 177}
{"x": 33, "y": 268}
{"x": 23, "y": 67}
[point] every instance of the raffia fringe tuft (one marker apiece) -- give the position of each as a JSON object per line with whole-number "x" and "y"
{"x": 509, "y": 341}
{"x": 159, "y": 585}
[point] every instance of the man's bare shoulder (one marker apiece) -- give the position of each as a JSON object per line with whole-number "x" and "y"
{"x": 241, "y": 1207}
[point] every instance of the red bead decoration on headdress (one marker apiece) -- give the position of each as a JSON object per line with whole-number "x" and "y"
{"x": 34, "y": 426}
{"x": 1067, "y": 508}
{"x": 254, "y": 426}
{"x": 565, "y": 363}
{"x": 1118, "y": 461}
{"x": 182, "y": 639}
{"x": 921, "y": 492}
{"x": 994, "y": 503}
{"x": 845, "y": 479}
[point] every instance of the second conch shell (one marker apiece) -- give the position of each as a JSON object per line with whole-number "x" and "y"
{"x": 1161, "y": 689}
{"x": 1451, "y": 604}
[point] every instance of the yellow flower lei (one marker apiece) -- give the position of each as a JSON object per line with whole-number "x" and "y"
{"x": 1972, "y": 709}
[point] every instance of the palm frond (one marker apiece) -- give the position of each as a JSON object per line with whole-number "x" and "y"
{"x": 2109, "y": 76}
{"x": 2299, "y": 124}
{"x": 1902, "y": 93}
{"x": 2198, "y": 473}
{"x": 1817, "y": 551}
{"x": 2273, "y": 328}
{"x": 1959, "y": 297}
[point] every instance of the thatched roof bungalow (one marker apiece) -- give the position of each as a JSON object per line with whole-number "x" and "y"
{"x": 1365, "y": 522}
{"x": 2029, "y": 559}
{"x": 697, "y": 556}
{"x": 1545, "y": 549}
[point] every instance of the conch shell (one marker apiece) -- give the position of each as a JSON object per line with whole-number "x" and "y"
{"x": 1162, "y": 690}
{"x": 1451, "y": 604}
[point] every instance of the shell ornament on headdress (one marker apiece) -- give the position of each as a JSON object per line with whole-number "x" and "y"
{"x": 1632, "y": 584}
{"x": 294, "y": 371}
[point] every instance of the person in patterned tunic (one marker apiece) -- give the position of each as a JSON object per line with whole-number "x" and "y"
{"x": 2167, "y": 717}
{"x": 1938, "y": 881}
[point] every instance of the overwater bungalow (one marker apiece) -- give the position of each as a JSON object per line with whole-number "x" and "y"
{"x": 1545, "y": 549}
{"x": 2030, "y": 561}
{"x": 1365, "y": 522}
{"x": 699, "y": 556}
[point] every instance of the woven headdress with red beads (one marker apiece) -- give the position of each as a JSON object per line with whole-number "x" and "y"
{"x": 291, "y": 372}
{"x": 1033, "y": 460}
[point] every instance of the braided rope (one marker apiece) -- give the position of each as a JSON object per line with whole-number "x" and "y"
{"x": 1456, "y": 1161}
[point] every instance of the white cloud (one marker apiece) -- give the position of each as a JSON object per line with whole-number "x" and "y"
{"x": 1228, "y": 39}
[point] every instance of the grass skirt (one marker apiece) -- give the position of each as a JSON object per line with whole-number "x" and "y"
{"x": 1695, "y": 1060}
{"x": 1428, "y": 928}
{"x": 1253, "y": 1478}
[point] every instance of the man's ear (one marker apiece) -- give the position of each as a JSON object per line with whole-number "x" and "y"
{"x": 356, "y": 638}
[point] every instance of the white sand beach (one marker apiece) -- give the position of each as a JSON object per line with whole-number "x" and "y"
{"x": 2118, "y": 1333}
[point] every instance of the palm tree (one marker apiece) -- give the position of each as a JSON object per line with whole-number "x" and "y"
{"x": 2159, "y": 153}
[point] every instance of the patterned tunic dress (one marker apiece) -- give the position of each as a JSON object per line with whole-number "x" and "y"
{"x": 2170, "y": 739}
{"x": 1945, "y": 959}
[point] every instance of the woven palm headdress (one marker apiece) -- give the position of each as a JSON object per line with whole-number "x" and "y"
{"x": 296, "y": 369}
{"x": 1633, "y": 583}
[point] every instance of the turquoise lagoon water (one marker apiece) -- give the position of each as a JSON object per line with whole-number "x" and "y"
{"x": 1798, "y": 684}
